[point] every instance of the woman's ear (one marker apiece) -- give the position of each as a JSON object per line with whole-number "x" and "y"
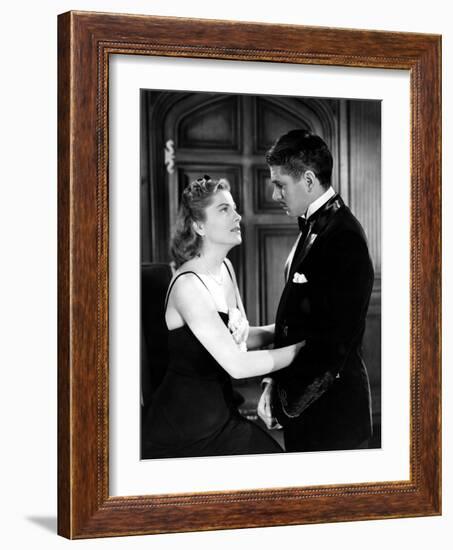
{"x": 198, "y": 228}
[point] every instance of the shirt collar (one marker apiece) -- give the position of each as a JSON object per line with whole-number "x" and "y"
{"x": 320, "y": 201}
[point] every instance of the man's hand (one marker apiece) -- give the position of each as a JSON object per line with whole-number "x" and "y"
{"x": 265, "y": 408}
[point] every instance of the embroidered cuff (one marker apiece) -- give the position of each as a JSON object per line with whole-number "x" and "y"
{"x": 267, "y": 381}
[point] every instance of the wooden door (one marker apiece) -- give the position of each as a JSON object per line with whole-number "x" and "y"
{"x": 227, "y": 136}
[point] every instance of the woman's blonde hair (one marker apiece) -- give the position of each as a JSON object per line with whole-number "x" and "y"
{"x": 196, "y": 197}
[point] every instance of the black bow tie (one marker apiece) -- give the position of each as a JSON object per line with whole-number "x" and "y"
{"x": 303, "y": 222}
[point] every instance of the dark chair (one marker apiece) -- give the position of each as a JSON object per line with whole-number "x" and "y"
{"x": 155, "y": 279}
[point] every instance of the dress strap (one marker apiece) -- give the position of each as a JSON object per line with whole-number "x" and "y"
{"x": 174, "y": 281}
{"x": 232, "y": 280}
{"x": 228, "y": 269}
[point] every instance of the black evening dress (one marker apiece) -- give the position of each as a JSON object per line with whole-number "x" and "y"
{"x": 193, "y": 411}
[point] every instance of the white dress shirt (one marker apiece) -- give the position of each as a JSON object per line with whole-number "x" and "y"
{"x": 312, "y": 208}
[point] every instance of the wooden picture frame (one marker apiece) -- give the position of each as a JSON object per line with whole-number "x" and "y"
{"x": 85, "y": 41}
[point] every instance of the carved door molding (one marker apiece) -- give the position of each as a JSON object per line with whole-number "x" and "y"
{"x": 226, "y": 135}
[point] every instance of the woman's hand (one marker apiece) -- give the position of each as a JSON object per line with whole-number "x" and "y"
{"x": 239, "y": 327}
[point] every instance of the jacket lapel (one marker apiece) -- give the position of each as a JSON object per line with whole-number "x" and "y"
{"x": 318, "y": 224}
{"x": 321, "y": 220}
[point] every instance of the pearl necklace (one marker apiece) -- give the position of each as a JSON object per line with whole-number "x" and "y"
{"x": 214, "y": 278}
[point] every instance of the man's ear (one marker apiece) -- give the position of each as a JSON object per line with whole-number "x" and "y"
{"x": 310, "y": 179}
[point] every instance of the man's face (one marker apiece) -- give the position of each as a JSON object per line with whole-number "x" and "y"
{"x": 290, "y": 193}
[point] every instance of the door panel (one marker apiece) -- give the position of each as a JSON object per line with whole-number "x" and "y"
{"x": 273, "y": 120}
{"x": 215, "y": 124}
{"x": 274, "y": 242}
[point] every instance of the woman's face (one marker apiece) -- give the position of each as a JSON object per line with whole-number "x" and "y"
{"x": 221, "y": 225}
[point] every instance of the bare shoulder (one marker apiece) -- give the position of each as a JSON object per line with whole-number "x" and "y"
{"x": 189, "y": 291}
{"x": 186, "y": 280}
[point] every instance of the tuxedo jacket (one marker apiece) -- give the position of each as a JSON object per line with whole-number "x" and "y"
{"x": 322, "y": 399}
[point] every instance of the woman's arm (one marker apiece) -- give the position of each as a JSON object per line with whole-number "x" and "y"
{"x": 204, "y": 321}
{"x": 260, "y": 337}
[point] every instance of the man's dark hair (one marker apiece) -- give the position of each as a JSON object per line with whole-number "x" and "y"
{"x": 299, "y": 151}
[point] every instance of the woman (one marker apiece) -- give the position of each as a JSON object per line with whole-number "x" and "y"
{"x": 193, "y": 411}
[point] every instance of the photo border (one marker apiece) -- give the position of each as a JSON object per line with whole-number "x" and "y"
{"x": 85, "y": 42}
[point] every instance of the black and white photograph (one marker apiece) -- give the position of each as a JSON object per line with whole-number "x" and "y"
{"x": 260, "y": 295}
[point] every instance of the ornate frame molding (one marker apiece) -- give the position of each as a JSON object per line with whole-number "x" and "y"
{"x": 86, "y": 40}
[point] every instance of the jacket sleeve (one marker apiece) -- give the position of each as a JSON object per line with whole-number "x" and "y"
{"x": 338, "y": 303}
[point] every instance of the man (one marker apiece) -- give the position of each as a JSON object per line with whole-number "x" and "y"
{"x": 322, "y": 400}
